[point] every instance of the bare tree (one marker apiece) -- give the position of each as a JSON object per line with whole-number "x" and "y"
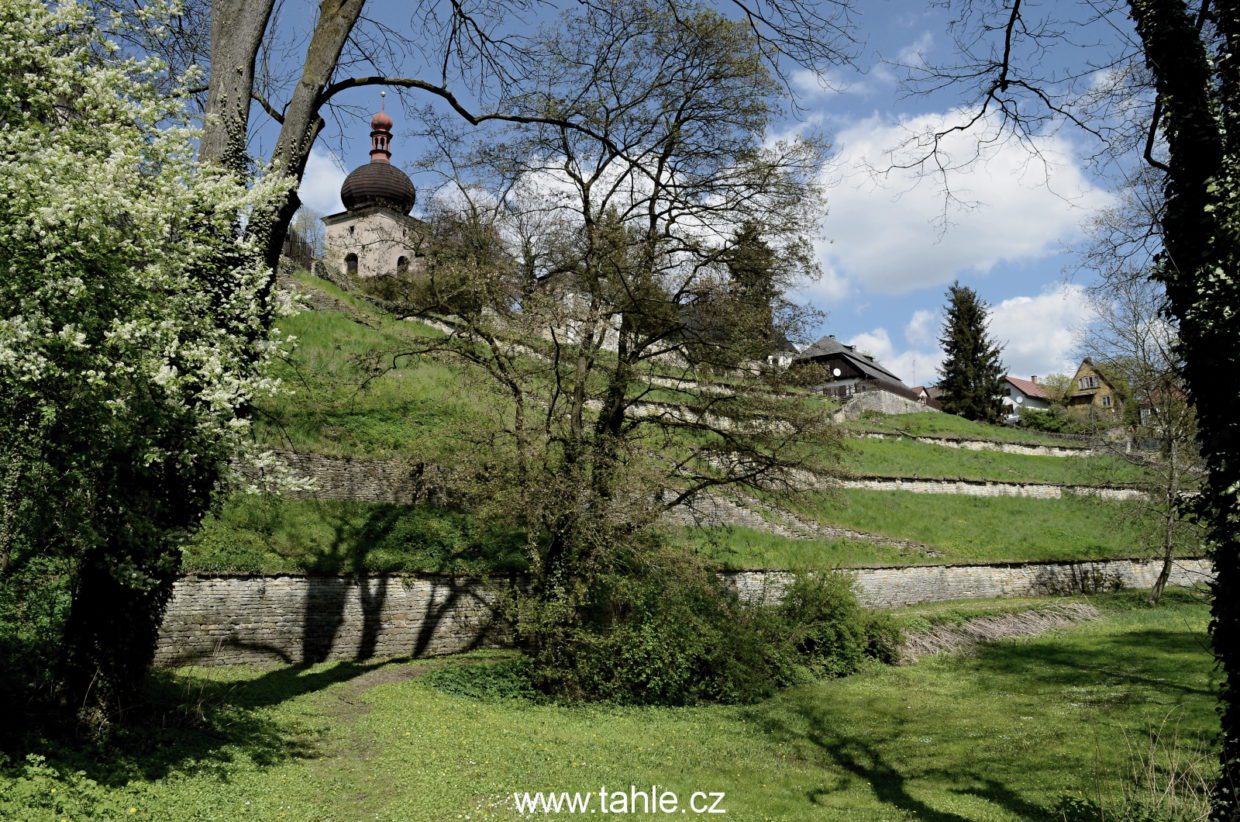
{"x": 1173, "y": 103}
{"x": 1129, "y": 332}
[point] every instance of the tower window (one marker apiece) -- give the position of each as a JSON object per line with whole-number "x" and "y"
{"x": 350, "y": 264}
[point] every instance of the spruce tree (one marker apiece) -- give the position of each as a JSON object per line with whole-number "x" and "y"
{"x": 971, "y": 375}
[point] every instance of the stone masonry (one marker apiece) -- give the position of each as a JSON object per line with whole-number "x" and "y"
{"x": 293, "y": 620}
{"x": 896, "y": 587}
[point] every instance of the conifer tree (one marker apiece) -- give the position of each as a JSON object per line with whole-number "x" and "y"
{"x": 971, "y": 375}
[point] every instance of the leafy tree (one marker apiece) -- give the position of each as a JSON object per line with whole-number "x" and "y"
{"x": 971, "y": 375}
{"x": 129, "y": 347}
{"x": 641, "y": 240}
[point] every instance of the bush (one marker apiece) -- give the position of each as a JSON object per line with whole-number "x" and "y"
{"x": 510, "y": 679}
{"x": 883, "y": 637}
{"x": 663, "y": 631}
{"x": 827, "y": 626}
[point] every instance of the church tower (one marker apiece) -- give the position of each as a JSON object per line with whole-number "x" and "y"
{"x": 375, "y": 235}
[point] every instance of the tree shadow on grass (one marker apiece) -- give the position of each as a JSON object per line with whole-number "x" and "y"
{"x": 1166, "y": 661}
{"x": 198, "y": 725}
{"x": 865, "y": 759}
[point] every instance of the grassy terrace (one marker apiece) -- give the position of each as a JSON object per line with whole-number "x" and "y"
{"x": 1002, "y": 734}
{"x": 270, "y": 535}
{"x": 949, "y": 425}
{"x": 909, "y": 458}
{"x": 983, "y": 529}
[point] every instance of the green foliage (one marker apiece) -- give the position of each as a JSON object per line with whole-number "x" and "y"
{"x": 133, "y": 336}
{"x": 507, "y": 679}
{"x": 827, "y": 626}
{"x": 971, "y": 375}
{"x": 1055, "y": 420}
{"x": 883, "y": 636}
{"x": 664, "y": 631}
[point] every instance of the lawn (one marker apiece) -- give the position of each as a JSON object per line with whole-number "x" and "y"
{"x": 909, "y": 458}
{"x": 1004, "y": 734}
{"x": 985, "y": 529}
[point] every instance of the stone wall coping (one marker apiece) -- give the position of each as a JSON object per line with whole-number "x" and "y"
{"x": 1033, "y": 563}
{"x": 1119, "y": 486}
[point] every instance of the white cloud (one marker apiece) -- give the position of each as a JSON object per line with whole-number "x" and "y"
{"x": 320, "y": 185}
{"x": 885, "y": 230}
{"x": 923, "y": 328}
{"x": 914, "y": 54}
{"x": 1039, "y": 335}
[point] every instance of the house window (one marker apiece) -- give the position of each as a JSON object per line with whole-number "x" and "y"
{"x": 350, "y": 264}
{"x": 402, "y": 264}
{"x": 1106, "y": 401}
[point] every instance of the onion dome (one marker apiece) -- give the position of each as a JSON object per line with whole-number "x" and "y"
{"x": 379, "y": 183}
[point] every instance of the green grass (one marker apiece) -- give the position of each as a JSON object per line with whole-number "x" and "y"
{"x": 984, "y": 529}
{"x": 740, "y": 548}
{"x": 270, "y": 535}
{"x": 1002, "y": 734}
{"x": 329, "y": 405}
{"x": 927, "y": 424}
{"x": 909, "y": 458}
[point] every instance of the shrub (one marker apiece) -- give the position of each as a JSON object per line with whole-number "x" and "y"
{"x": 663, "y": 631}
{"x": 826, "y": 624}
{"x": 509, "y": 679}
{"x": 883, "y": 637}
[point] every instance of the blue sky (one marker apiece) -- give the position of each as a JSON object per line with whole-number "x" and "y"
{"x": 888, "y": 247}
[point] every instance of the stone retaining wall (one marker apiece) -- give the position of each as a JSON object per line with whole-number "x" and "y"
{"x": 983, "y": 488}
{"x": 1026, "y": 449}
{"x": 363, "y": 479}
{"x": 287, "y": 619}
{"x": 896, "y": 587}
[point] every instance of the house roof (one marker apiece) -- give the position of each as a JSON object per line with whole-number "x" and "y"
{"x": 830, "y": 346}
{"x": 1028, "y": 387}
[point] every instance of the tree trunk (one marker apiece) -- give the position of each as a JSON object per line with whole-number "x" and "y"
{"x": 237, "y": 28}
{"x": 302, "y": 122}
{"x": 1199, "y": 267}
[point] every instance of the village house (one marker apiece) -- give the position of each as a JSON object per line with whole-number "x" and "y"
{"x": 1092, "y": 392}
{"x": 1020, "y": 393}
{"x": 850, "y": 371}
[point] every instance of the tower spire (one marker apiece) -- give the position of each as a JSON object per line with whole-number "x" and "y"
{"x": 381, "y": 134}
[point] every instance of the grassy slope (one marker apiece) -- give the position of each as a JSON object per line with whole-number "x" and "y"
{"x": 267, "y": 535}
{"x": 928, "y": 424}
{"x": 1000, "y": 735}
{"x": 418, "y": 408}
{"x": 326, "y": 409}
{"x": 983, "y": 528}
{"x": 909, "y": 458}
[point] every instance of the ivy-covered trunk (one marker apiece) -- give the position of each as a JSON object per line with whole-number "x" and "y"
{"x": 1201, "y": 237}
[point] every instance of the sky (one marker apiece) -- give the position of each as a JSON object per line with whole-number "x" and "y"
{"x": 890, "y": 244}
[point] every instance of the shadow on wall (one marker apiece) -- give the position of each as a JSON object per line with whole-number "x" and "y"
{"x": 329, "y": 599}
